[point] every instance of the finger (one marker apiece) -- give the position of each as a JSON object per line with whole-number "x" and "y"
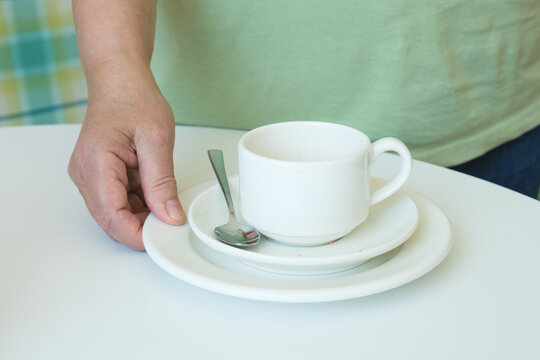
{"x": 156, "y": 169}
{"x": 106, "y": 197}
{"x": 134, "y": 185}
{"x": 136, "y": 204}
{"x": 142, "y": 215}
{"x": 126, "y": 228}
{"x": 133, "y": 179}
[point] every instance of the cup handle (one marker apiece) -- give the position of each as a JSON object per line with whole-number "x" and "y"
{"x": 391, "y": 144}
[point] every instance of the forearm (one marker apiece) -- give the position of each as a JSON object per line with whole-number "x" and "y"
{"x": 116, "y": 39}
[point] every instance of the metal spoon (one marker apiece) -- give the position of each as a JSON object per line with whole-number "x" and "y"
{"x": 234, "y": 232}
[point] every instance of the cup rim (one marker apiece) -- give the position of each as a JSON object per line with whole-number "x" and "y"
{"x": 255, "y": 131}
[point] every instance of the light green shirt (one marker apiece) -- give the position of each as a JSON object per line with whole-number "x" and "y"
{"x": 452, "y": 79}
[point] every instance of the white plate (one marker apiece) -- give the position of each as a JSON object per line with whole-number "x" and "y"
{"x": 177, "y": 251}
{"x": 388, "y": 225}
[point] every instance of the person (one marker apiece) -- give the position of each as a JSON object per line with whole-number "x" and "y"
{"x": 454, "y": 80}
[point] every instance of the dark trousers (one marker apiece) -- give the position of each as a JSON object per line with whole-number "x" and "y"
{"x": 515, "y": 164}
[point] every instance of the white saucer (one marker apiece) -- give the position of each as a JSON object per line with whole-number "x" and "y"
{"x": 388, "y": 225}
{"x": 176, "y": 250}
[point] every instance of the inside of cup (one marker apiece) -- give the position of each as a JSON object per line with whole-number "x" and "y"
{"x": 306, "y": 141}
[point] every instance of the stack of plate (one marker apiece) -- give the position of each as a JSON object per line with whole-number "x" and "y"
{"x": 404, "y": 237}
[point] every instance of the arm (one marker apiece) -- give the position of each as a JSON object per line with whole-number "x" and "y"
{"x": 122, "y": 162}
{"x": 115, "y": 38}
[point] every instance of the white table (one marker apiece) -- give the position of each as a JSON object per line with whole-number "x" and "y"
{"x": 68, "y": 292}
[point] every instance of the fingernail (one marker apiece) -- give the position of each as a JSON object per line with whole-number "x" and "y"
{"x": 175, "y": 210}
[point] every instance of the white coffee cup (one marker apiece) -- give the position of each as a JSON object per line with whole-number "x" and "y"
{"x": 307, "y": 183}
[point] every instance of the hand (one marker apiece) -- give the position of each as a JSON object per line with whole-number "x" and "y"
{"x": 122, "y": 162}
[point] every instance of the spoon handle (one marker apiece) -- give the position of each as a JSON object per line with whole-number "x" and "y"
{"x": 216, "y": 158}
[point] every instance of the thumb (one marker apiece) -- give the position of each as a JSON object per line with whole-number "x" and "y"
{"x": 156, "y": 170}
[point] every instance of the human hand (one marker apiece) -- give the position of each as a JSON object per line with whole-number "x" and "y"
{"x": 122, "y": 163}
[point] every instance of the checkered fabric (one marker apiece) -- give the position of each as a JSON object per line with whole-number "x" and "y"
{"x": 41, "y": 79}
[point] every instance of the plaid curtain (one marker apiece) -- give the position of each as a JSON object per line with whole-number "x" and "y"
{"x": 41, "y": 79}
